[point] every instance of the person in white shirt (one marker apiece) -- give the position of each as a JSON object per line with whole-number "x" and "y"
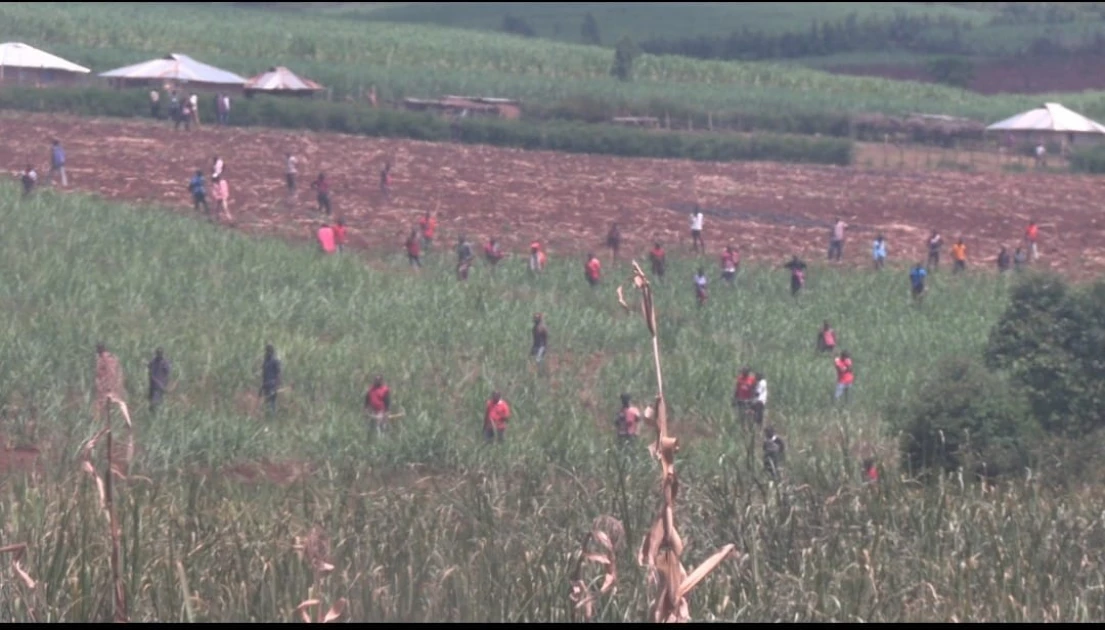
{"x": 194, "y": 101}
{"x": 217, "y": 168}
{"x": 290, "y": 172}
{"x": 696, "y": 230}
{"x": 760, "y": 402}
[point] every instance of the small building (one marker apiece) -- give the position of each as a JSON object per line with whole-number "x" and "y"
{"x": 175, "y": 70}
{"x": 1050, "y": 124}
{"x": 648, "y": 122}
{"x": 21, "y": 64}
{"x": 463, "y": 106}
{"x": 281, "y": 81}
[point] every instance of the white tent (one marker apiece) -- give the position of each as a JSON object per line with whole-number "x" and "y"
{"x": 1053, "y": 118}
{"x": 20, "y": 61}
{"x": 175, "y": 67}
{"x": 281, "y": 80}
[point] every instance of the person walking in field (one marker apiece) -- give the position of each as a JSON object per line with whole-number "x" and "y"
{"x": 537, "y": 258}
{"x": 159, "y": 369}
{"x": 198, "y": 189}
{"x": 626, "y": 422}
{"x": 428, "y": 226}
{"x": 614, "y": 241}
{"x": 220, "y": 192}
{"x": 183, "y": 117}
{"x": 216, "y": 167}
{"x": 774, "y": 453}
{"x": 744, "y": 392}
{"x": 1005, "y": 261}
{"x": 935, "y": 244}
{"x": 759, "y": 400}
{"x": 730, "y": 260}
{"x": 592, "y": 270}
{"x": 194, "y": 104}
{"x": 845, "y": 377}
{"x": 290, "y": 172}
{"x": 155, "y": 105}
{"x": 385, "y": 181}
{"x": 658, "y": 259}
{"x": 540, "y": 338}
{"x": 377, "y": 404}
{"x": 826, "y": 338}
{"x": 492, "y": 252}
{"x": 464, "y": 257}
{"x": 836, "y": 240}
{"x": 959, "y": 256}
{"x": 878, "y": 252}
{"x": 700, "y": 282}
{"x": 341, "y": 237}
{"x": 917, "y": 282}
{"x": 797, "y": 269}
{"x": 28, "y": 178}
{"x": 1031, "y": 236}
{"x": 698, "y": 244}
{"x": 271, "y": 376}
{"x": 57, "y": 164}
{"x": 495, "y": 418}
{"x": 322, "y": 186}
{"x": 414, "y": 249}
{"x": 325, "y": 237}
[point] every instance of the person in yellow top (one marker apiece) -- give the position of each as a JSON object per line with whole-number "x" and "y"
{"x": 959, "y": 256}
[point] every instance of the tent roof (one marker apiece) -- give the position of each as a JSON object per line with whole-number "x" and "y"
{"x": 176, "y": 67}
{"x": 19, "y": 55}
{"x": 1050, "y": 117}
{"x": 280, "y": 78}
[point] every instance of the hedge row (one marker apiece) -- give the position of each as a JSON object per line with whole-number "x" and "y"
{"x": 570, "y": 137}
{"x": 1087, "y": 160}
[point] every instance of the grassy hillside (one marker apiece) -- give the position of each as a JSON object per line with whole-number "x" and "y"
{"x": 410, "y": 60}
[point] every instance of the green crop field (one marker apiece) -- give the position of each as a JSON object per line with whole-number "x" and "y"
{"x": 426, "y": 61}
{"x": 425, "y": 523}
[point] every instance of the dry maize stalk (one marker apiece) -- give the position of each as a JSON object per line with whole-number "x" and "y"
{"x": 607, "y": 532}
{"x": 314, "y": 548}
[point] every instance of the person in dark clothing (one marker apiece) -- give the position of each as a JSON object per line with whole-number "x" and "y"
{"x": 774, "y": 449}
{"x": 270, "y": 377}
{"x": 1005, "y": 261}
{"x": 385, "y": 181}
{"x": 658, "y": 259}
{"x": 464, "y": 257}
{"x": 29, "y": 178}
{"x": 627, "y": 421}
{"x": 159, "y": 369}
{"x": 323, "y": 188}
{"x": 199, "y": 193}
{"x": 797, "y": 274}
{"x": 540, "y": 338}
{"x": 614, "y": 241}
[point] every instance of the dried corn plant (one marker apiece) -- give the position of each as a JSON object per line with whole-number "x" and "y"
{"x": 314, "y": 548}
{"x": 27, "y": 584}
{"x": 109, "y": 382}
{"x": 608, "y": 533}
{"x": 661, "y": 550}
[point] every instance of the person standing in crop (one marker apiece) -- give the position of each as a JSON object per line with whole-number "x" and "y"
{"x": 878, "y": 252}
{"x": 340, "y": 235}
{"x": 325, "y": 236}
{"x": 844, "y": 376}
{"x": 917, "y": 282}
{"x": 290, "y": 171}
{"x": 537, "y": 257}
{"x": 492, "y": 252}
{"x": 1005, "y": 261}
{"x": 428, "y": 225}
{"x": 870, "y": 471}
{"x": 826, "y": 338}
{"x": 959, "y": 256}
{"x": 495, "y": 418}
{"x": 29, "y": 178}
{"x": 935, "y": 244}
{"x": 464, "y": 257}
{"x": 730, "y": 260}
{"x": 626, "y": 422}
{"x": 199, "y": 193}
{"x": 774, "y": 453}
{"x": 414, "y": 249}
{"x": 592, "y": 270}
{"x": 57, "y": 164}
{"x": 658, "y": 259}
{"x": 1031, "y": 235}
{"x": 159, "y": 369}
{"x": 836, "y": 240}
{"x": 271, "y": 374}
{"x": 540, "y": 338}
{"x": 744, "y": 392}
{"x": 221, "y": 193}
{"x": 759, "y": 401}
{"x": 700, "y": 282}
{"x": 614, "y": 241}
{"x": 377, "y": 404}
{"x": 698, "y": 244}
{"x": 797, "y": 269}
{"x": 322, "y": 186}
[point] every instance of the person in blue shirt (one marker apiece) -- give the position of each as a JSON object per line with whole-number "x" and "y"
{"x": 917, "y": 281}
{"x": 57, "y": 164}
{"x": 878, "y": 252}
{"x": 199, "y": 192}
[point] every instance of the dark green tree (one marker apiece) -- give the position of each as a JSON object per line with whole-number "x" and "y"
{"x": 517, "y": 26}
{"x": 624, "y": 55}
{"x": 953, "y": 71}
{"x": 589, "y": 31}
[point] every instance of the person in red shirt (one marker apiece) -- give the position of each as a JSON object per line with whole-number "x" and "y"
{"x": 322, "y": 187}
{"x": 746, "y": 388}
{"x": 826, "y": 338}
{"x": 325, "y": 236}
{"x": 340, "y": 238}
{"x": 658, "y": 259}
{"x": 414, "y": 250}
{"x": 626, "y": 422}
{"x": 537, "y": 257}
{"x": 492, "y": 252}
{"x": 495, "y": 418}
{"x": 870, "y": 471}
{"x": 593, "y": 270}
{"x": 844, "y": 376}
{"x": 428, "y": 225}
{"x": 614, "y": 241}
{"x": 1031, "y": 234}
{"x": 377, "y": 403}
{"x": 730, "y": 260}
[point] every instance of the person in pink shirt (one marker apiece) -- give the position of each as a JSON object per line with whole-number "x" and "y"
{"x": 826, "y": 338}
{"x": 326, "y": 239}
{"x": 220, "y": 192}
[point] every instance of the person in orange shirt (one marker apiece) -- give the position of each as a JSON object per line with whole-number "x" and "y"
{"x": 658, "y": 259}
{"x": 959, "y": 256}
{"x": 537, "y": 257}
{"x": 428, "y": 225}
{"x": 745, "y": 390}
{"x": 593, "y": 270}
{"x": 492, "y": 252}
{"x": 340, "y": 238}
{"x": 377, "y": 403}
{"x": 826, "y": 338}
{"x": 1031, "y": 234}
{"x": 325, "y": 236}
{"x": 844, "y": 376}
{"x": 414, "y": 250}
{"x": 495, "y": 418}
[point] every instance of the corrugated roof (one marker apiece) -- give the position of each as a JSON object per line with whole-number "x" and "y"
{"x": 19, "y": 55}
{"x": 280, "y": 79}
{"x": 176, "y": 67}
{"x": 1050, "y": 117}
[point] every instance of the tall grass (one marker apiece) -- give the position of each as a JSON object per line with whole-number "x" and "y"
{"x": 426, "y": 524}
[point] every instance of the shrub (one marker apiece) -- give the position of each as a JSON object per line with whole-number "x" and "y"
{"x": 966, "y": 417}
{"x": 1088, "y": 160}
{"x": 572, "y": 137}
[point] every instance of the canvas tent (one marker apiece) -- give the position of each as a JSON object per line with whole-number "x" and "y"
{"x": 22, "y": 64}
{"x": 1051, "y": 123}
{"x": 280, "y": 80}
{"x": 175, "y": 68}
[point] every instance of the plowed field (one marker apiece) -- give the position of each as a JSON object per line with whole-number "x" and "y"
{"x": 769, "y": 210}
